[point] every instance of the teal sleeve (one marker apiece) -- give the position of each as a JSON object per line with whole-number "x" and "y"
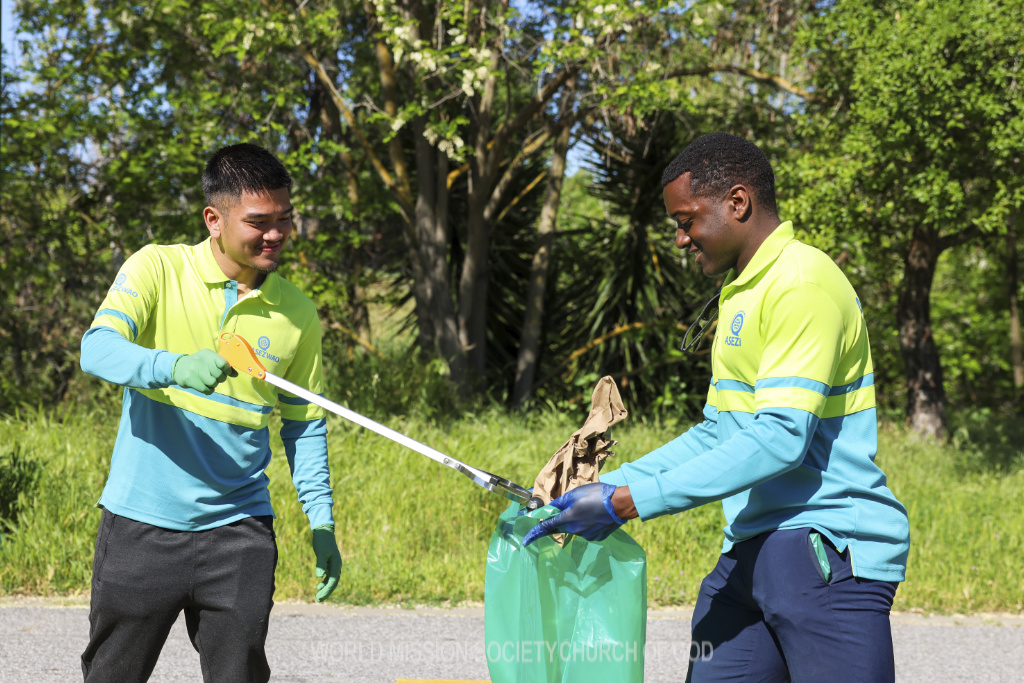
{"x": 698, "y": 439}
{"x": 305, "y": 445}
{"x": 111, "y": 357}
{"x": 775, "y": 442}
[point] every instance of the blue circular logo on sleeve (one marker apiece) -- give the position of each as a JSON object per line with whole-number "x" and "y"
{"x": 120, "y": 279}
{"x": 264, "y": 343}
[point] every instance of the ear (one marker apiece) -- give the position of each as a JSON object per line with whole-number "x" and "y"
{"x": 740, "y": 203}
{"x": 214, "y": 221}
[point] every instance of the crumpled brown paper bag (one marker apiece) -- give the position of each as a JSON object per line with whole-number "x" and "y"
{"x": 579, "y": 460}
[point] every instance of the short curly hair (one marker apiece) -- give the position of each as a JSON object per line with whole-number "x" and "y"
{"x": 235, "y": 169}
{"x": 718, "y": 161}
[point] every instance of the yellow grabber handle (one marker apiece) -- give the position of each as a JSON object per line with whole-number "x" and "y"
{"x": 238, "y": 352}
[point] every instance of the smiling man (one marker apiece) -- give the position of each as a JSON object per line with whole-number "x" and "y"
{"x": 815, "y": 543}
{"x": 187, "y": 523}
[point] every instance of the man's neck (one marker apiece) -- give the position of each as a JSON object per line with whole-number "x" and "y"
{"x": 244, "y": 288}
{"x": 248, "y": 279}
{"x": 760, "y": 229}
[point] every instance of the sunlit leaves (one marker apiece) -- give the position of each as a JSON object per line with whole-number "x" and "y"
{"x": 923, "y": 133}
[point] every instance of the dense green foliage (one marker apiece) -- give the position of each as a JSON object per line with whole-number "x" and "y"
{"x": 920, "y": 155}
{"x": 896, "y": 130}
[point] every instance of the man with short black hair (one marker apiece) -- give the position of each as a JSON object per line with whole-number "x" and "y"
{"x": 815, "y": 543}
{"x": 187, "y": 522}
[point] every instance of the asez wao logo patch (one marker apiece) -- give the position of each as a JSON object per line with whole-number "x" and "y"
{"x": 737, "y": 325}
{"x": 262, "y": 351}
{"x": 120, "y": 286}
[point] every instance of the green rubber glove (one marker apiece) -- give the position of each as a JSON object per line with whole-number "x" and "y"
{"x": 202, "y": 371}
{"x": 328, "y": 560}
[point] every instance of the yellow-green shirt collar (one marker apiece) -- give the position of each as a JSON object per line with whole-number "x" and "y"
{"x": 210, "y": 272}
{"x": 765, "y": 255}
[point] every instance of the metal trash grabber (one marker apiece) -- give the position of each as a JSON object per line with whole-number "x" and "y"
{"x": 240, "y": 354}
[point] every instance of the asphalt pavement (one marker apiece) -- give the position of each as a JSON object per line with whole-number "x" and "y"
{"x": 41, "y": 641}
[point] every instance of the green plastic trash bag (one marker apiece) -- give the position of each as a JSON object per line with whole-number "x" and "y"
{"x": 576, "y": 614}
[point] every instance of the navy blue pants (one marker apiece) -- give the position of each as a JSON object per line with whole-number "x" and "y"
{"x": 144, "y": 576}
{"x": 766, "y": 613}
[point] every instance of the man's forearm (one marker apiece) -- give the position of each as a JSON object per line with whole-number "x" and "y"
{"x": 305, "y": 446}
{"x": 111, "y": 357}
{"x": 774, "y": 443}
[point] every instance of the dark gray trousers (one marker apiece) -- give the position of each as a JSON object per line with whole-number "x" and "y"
{"x": 143, "y": 576}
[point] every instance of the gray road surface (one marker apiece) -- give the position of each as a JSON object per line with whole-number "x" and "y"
{"x": 41, "y": 642}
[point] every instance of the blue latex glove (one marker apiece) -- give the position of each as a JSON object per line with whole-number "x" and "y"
{"x": 585, "y": 511}
{"x": 328, "y": 560}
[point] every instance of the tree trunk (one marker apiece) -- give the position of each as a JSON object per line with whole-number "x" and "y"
{"x": 423, "y": 218}
{"x": 475, "y": 270}
{"x": 431, "y": 222}
{"x": 356, "y": 294}
{"x": 926, "y": 396}
{"x": 330, "y": 119}
{"x": 474, "y": 282}
{"x": 530, "y": 336}
{"x": 421, "y": 296}
{"x": 1016, "y": 353}
{"x": 488, "y": 153}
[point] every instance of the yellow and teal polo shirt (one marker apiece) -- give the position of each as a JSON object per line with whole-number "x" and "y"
{"x": 790, "y": 432}
{"x": 182, "y": 459}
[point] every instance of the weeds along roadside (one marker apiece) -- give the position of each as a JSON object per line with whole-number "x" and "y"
{"x": 413, "y": 532}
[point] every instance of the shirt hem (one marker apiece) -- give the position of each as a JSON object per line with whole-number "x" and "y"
{"x": 146, "y": 517}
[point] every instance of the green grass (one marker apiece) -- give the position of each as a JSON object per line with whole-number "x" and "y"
{"x": 966, "y": 503}
{"x": 414, "y": 532}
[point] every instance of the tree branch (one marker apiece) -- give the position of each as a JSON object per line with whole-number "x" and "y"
{"x": 405, "y": 205}
{"x": 762, "y": 76}
{"x": 504, "y": 133}
{"x": 88, "y": 58}
{"x": 502, "y": 185}
{"x": 519, "y": 197}
{"x": 529, "y": 145}
{"x": 957, "y": 238}
{"x": 389, "y": 89}
{"x": 359, "y": 340}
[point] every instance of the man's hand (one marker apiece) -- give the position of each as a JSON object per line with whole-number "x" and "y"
{"x": 328, "y": 560}
{"x": 202, "y": 371}
{"x": 587, "y": 511}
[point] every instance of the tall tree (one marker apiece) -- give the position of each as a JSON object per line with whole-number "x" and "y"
{"x": 477, "y": 85}
{"x": 920, "y": 151}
